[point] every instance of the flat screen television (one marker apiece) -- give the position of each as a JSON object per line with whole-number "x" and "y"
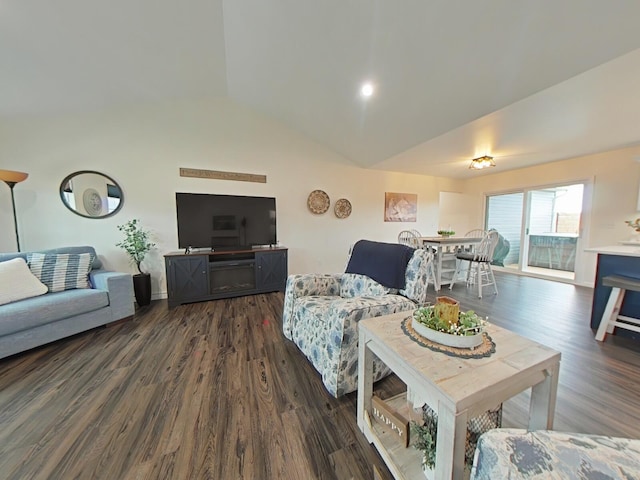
{"x": 225, "y": 222}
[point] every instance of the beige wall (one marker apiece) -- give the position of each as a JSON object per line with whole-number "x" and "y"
{"x": 615, "y": 177}
{"x": 143, "y": 147}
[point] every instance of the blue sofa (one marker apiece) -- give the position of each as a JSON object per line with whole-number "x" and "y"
{"x": 28, "y": 323}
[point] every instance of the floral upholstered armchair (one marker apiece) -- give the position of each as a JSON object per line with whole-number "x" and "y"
{"x": 544, "y": 454}
{"x": 322, "y": 311}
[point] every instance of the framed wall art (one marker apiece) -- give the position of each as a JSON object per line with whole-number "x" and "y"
{"x": 400, "y": 207}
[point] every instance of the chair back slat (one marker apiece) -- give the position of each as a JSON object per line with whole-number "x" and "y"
{"x": 409, "y": 238}
{"x": 476, "y": 233}
{"x": 484, "y": 251}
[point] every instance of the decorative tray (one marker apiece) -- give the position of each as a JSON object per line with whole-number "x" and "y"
{"x": 318, "y": 201}
{"x": 342, "y": 208}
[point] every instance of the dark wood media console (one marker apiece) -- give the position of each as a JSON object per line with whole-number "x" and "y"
{"x": 201, "y": 276}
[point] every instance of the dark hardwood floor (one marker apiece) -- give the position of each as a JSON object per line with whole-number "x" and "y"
{"x": 213, "y": 391}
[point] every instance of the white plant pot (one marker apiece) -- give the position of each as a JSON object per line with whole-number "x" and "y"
{"x": 457, "y": 341}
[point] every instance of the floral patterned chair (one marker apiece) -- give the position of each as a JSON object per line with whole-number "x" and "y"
{"x": 322, "y": 311}
{"x": 541, "y": 454}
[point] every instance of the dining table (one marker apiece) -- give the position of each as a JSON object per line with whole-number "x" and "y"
{"x": 445, "y": 250}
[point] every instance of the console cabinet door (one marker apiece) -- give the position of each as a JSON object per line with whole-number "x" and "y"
{"x": 188, "y": 278}
{"x": 271, "y": 270}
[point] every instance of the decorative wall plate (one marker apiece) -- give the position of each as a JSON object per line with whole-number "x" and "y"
{"x": 92, "y": 202}
{"x": 342, "y": 208}
{"x": 318, "y": 201}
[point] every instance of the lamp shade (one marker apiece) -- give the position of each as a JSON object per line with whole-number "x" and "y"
{"x": 9, "y": 176}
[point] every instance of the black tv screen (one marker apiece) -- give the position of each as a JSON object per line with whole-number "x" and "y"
{"x": 225, "y": 221}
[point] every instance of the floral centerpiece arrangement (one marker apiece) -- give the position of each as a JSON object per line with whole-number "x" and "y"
{"x": 446, "y": 233}
{"x": 444, "y": 323}
{"x": 435, "y": 318}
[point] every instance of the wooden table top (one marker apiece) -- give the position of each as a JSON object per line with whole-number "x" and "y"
{"x": 451, "y": 240}
{"x": 463, "y": 382}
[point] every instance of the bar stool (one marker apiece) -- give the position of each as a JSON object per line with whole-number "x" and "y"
{"x": 611, "y": 315}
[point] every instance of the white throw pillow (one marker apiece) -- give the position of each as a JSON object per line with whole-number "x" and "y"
{"x": 17, "y": 282}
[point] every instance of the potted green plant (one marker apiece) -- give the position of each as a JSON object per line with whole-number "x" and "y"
{"x": 425, "y": 435}
{"x": 137, "y": 244}
{"x": 464, "y": 330}
{"x": 446, "y": 233}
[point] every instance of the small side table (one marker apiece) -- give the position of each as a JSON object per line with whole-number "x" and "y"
{"x": 458, "y": 389}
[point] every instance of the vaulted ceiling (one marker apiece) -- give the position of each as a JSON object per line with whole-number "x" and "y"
{"x": 526, "y": 82}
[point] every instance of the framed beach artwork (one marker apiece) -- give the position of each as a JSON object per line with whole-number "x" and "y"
{"x": 400, "y": 207}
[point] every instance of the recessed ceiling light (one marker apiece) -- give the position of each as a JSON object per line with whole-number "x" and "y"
{"x": 366, "y": 90}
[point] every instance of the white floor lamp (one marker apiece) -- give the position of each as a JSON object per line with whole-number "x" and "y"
{"x": 11, "y": 178}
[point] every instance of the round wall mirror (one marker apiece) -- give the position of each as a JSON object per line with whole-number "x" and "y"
{"x": 91, "y": 194}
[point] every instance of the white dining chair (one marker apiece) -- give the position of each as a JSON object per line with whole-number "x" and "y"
{"x": 409, "y": 238}
{"x": 479, "y": 264}
{"x": 476, "y": 233}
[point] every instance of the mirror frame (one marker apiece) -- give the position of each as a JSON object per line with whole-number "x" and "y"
{"x": 79, "y": 172}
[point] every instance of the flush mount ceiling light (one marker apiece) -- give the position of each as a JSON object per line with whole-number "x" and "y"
{"x": 366, "y": 90}
{"x": 482, "y": 162}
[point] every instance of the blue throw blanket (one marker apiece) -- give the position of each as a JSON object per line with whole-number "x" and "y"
{"x": 386, "y": 263}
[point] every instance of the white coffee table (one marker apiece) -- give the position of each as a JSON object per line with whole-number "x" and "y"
{"x": 458, "y": 389}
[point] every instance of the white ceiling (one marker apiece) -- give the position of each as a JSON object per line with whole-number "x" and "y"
{"x": 527, "y": 82}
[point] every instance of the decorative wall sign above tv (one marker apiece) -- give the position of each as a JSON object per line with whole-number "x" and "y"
{"x": 218, "y": 175}
{"x": 318, "y": 202}
{"x": 342, "y": 208}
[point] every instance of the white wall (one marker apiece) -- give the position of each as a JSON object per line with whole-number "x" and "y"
{"x": 612, "y": 198}
{"x": 143, "y": 147}
{"x": 459, "y": 212}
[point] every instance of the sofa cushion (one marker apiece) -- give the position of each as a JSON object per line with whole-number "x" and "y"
{"x": 61, "y": 271}
{"x": 355, "y": 285}
{"x": 314, "y": 308}
{"x": 25, "y": 314}
{"x": 17, "y": 282}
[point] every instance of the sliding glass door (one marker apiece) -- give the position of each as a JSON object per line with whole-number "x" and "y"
{"x": 504, "y": 214}
{"x": 541, "y": 227}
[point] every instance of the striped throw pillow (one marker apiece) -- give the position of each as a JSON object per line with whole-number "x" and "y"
{"x": 61, "y": 271}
